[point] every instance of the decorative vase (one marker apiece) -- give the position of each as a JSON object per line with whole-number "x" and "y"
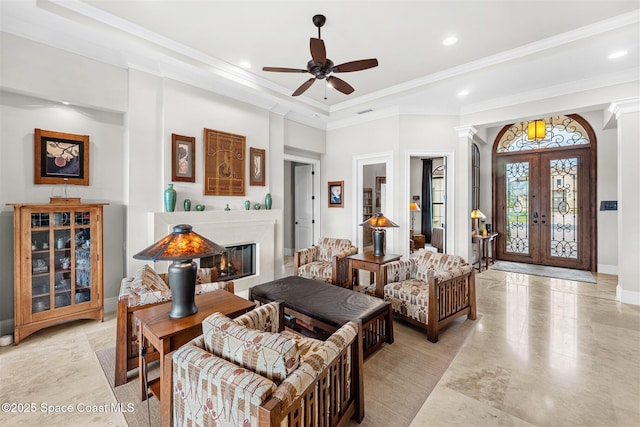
{"x": 187, "y": 205}
{"x": 247, "y": 205}
{"x": 256, "y": 206}
{"x": 227, "y": 208}
{"x": 169, "y": 198}
{"x": 200, "y": 208}
{"x": 267, "y": 201}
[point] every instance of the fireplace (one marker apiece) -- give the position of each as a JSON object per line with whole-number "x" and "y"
{"x": 230, "y": 228}
{"x": 237, "y": 262}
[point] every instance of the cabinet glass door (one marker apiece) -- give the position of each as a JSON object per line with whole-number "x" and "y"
{"x": 82, "y": 239}
{"x": 61, "y": 261}
{"x": 40, "y": 263}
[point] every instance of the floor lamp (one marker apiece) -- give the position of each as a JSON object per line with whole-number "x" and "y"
{"x": 181, "y": 246}
{"x": 413, "y": 207}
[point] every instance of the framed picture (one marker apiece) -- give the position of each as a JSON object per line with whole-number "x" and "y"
{"x": 225, "y": 158}
{"x": 183, "y": 158}
{"x": 256, "y": 166}
{"x": 336, "y": 194}
{"x": 61, "y": 158}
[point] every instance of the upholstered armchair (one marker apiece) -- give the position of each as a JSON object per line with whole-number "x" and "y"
{"x": 326, "y": 262}
{"x": 249, "y": 371}
{"x": 144, "y": 289}
{"x": 430, "y": 290}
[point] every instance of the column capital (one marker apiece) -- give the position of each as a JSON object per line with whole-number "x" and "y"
{"x": 623, "y": 106}
{"x": 466, "y": 131}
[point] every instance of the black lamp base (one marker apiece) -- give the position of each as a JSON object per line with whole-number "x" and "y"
{"x": 378, "y": 242}
{"x": 182, "y": 279}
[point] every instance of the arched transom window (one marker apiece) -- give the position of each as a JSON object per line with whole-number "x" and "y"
{"x": 561, "y": 131}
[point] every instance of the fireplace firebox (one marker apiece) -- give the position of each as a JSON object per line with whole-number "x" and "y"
{"x": 238, "y": 261}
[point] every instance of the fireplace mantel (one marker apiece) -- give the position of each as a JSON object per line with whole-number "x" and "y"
{"x": 262, "y": 227}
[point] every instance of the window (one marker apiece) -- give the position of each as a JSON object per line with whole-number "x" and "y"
{"x": 437, "y": 196}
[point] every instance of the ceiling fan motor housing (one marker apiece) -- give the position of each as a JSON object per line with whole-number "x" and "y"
{"x": 320, "y": 71}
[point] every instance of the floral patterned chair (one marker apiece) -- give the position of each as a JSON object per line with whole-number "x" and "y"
{"x": 430, "y": 290}
{"x": 144, "y": 289}
{"x": 249, "y": 371}
{"x": 326, "y": 262}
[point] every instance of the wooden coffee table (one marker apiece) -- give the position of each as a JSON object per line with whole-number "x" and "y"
{"x": 165, "y": 334}
{"x": 368, "y": 262}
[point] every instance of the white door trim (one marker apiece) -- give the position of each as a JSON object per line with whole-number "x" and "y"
{"x": 316, "y": 188}
{"x": 449, "y": 162}
{"x": 358, "y": 177}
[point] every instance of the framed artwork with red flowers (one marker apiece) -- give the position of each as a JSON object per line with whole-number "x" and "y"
{"x": 61, "y": 158}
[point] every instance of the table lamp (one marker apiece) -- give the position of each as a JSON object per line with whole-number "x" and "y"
{"x": 476, "y": 215}
{"x": 181, "y": 246}
{"x": 379, "y": 222}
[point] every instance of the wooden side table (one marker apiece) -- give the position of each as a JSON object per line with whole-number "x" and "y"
{"x": 418, "y": 241}
{"x": 166, "y": 334}
{"x": 373, "y": 264}
{"x": 483, "y": 243}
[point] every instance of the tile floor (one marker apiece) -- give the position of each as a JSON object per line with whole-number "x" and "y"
{"x": 543, "y": 352}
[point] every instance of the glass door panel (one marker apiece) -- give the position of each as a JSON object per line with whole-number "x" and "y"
{"x": 83, "y": 257}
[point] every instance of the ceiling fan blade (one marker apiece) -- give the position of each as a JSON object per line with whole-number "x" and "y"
{"x": 284, "y": 70}
{"x": 304, "y": 86}
{"x": 362, "y": 64}
{"x": 318, "y": 51}
{"x": 340, "y": 85}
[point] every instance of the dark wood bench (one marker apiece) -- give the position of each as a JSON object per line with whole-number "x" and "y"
{"x": 318, "y": 309}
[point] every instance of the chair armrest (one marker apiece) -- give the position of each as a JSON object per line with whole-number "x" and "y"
{"x": 304, "y": 256}
{"x": 266, "y": 318}
{"x": 400, "y": 270}
{"x": 203, "y": 288}
{"x": 346, "y": 252}
{"x": 439, "y": 276}
{"x": 314, "y": 363}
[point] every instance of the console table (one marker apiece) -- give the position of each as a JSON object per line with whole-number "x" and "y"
{"x": 483, "y": 243}
{"x": 166, "y": 334}
{"x": 368, "y": 262}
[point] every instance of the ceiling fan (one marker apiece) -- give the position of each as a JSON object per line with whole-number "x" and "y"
{"x": 322, "y": 67}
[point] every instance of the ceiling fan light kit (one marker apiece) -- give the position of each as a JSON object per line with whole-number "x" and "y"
{"x": 322, "y": 67}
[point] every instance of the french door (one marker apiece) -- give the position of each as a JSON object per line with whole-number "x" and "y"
{"x": 544, "y": 207}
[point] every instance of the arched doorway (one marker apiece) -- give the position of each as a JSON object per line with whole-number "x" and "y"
{"x": 545, "y": 194}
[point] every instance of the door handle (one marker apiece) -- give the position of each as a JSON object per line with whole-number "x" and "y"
{"x": 535, "y": 217}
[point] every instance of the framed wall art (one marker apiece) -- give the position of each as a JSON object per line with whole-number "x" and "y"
{"x": 336, "y": 194}
{"x": 224, "y": 163}
{"x": 257, "y": 165}
{"x": 183, "y": 158}
{"x": 61, "y": 158}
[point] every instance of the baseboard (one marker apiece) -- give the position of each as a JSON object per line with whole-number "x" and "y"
{"x": 608, "y": 269}
{"x": 7, "y": 327}
{"x": 110, "y": 305}
{"x": 627, "y": 297}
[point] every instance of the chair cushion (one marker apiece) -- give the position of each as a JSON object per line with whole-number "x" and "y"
{"x": 147, "y": 287}
{"x": 330, "y": 246}
{"x": 319, "y": 270}
{"x": 410, "y": 298}
{"x": 272, "y": 355}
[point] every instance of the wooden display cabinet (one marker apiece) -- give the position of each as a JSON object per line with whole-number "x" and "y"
{"x": 58, "y": 264}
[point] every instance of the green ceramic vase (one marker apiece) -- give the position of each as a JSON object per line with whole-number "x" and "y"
{"x": 169, "y": 199}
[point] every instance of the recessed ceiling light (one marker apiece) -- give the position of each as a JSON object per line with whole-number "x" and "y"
{"x": 450, "y": 40}
{"x": 245, "y": 64}
{"x": 463, "y": 93}
{"x": 65, "y": 102}
{"x": 618, "y": 54}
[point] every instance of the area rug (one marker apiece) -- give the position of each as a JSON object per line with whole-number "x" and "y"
{"x": 546, "y": 271}
{"x": 398, "y": 377}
